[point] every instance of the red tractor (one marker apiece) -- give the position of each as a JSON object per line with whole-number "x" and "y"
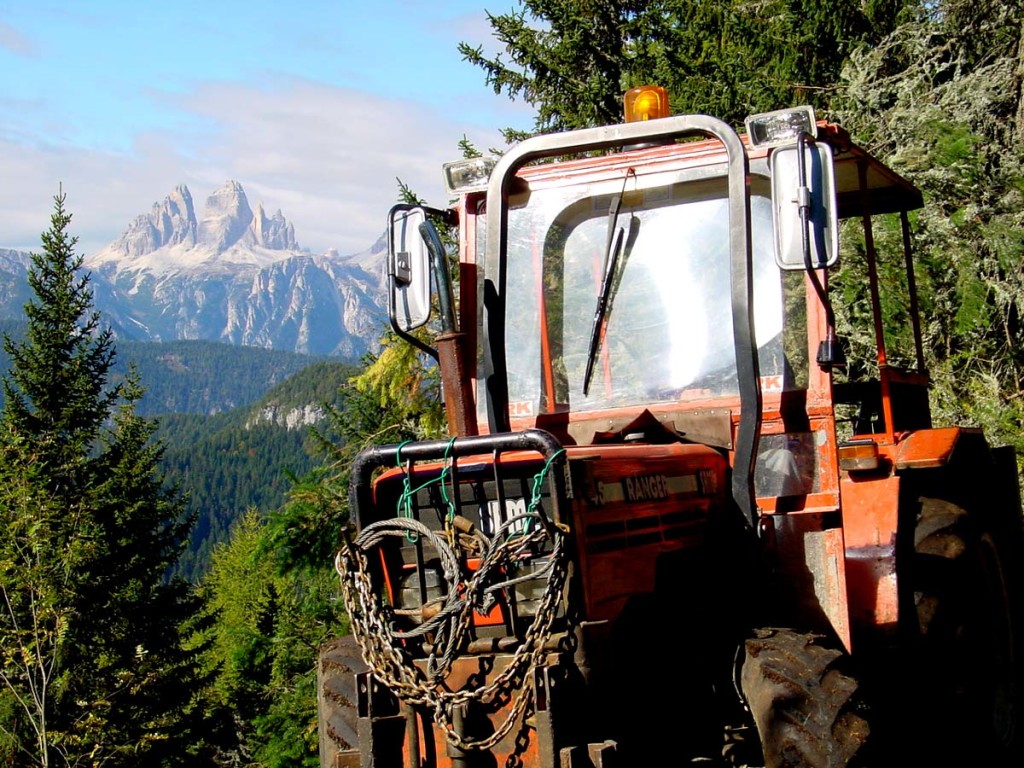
{"x": 671, "y": 524}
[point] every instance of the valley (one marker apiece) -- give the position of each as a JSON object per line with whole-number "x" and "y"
{"x": 239, "y": 336}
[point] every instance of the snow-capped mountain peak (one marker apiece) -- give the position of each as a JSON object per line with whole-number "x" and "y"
{"x": 236, "y": 275}
{"x": 171, "y": 238}
{"x": 226, "y": 219}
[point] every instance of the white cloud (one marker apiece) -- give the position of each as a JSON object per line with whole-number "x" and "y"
{"x": 104, "y": 191}
{"x": 327, "y": 157}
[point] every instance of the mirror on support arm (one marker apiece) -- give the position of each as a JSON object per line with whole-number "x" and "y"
{"x": 415, "y": 254}
{"x": 417, "y": 257}
{"x": 803, "y": 201}
{"x": 804, "y": 209}
{"x": 803, "y": 187}
{"x": 408, "y": 269}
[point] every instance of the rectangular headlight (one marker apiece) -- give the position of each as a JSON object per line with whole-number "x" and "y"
{"x": 782, "y": 126}
{"x": 469, "y": 175}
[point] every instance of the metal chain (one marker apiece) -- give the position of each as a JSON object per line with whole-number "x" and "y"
{"x": 448, "y": 631}
{"x": 527, "y": 657}
{"x": 371, "y": 621}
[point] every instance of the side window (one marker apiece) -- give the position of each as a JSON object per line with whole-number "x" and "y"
{"x": 794, "y": 298}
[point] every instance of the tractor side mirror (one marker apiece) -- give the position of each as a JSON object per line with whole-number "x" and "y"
{"x": 408, "y": 269}
{"x": 815, "y": 194}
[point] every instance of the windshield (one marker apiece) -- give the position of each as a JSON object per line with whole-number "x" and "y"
{"x": 664, "y": 329}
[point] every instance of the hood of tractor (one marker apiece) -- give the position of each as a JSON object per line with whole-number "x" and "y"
{"x": 625, "y": 507}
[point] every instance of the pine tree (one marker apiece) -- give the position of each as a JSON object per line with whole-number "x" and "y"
{"x": 572, "y": 61}
{"x": 96, "y": 667}
{"x": 573, "y": 64}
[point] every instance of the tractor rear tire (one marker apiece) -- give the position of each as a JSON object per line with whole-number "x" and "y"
{"x": 967, "y": 652}
{"x": 340, "y": 662}
{"x": 806, "y": 708}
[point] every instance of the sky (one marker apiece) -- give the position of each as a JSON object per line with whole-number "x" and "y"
{"x": 315, "y": 107}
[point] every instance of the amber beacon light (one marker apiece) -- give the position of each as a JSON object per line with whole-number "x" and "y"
{"x": 646, "y": 102}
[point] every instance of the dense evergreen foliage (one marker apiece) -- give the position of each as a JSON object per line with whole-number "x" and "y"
{"x": 573, "y": 61}
{"x": 269, "y": 623}
{"x": 246, "y": 458}
{"x": 96, "y": 664}
{"x": 201, "y": 377}
{"x": 205, "y": 377}
{"x": 224, "y": 469}
{"x": 941, "y": 99}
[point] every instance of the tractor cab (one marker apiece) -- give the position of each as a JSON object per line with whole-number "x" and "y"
{"x": 674, "y": 273}
{"x": 651, "y": 412}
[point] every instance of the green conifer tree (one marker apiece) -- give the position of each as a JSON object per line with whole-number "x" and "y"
{"x": 573, "y": 61}
{"x": 96, "y": 669}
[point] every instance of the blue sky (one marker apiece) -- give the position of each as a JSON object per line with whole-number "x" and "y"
{"x": 314, "y": 106}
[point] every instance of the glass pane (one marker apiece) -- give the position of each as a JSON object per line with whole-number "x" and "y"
{"x": 667, "y": 331}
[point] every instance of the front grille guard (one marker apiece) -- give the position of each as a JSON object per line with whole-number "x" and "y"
{"x": 388, "y": 654}
{"x": 408, "y": 455}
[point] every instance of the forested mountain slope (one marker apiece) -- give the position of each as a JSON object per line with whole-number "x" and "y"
{"x": 245, "y": 458}
{"x": 234, "y": 422}
{"x": 205, "y": 377}
{"x": 197, "y": 377}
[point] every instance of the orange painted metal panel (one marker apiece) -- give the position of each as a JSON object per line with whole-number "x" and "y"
{"x": 870, "y": 512}
{"x": 634, "y": 503}
{"x": 927, "y": 448}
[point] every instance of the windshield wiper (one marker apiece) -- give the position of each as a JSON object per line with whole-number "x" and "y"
{"x": 612, "y": 249}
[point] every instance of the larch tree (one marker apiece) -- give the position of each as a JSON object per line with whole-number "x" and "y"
{"x": 96, "y": 665}
{"x": 941, "y": 98}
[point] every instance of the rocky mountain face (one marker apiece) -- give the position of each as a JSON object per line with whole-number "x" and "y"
{"x": 171, "y": 236}
{"x": 169, "y": 223}
{"x": 14, "y": 291}
{"x": 294, "y": 417}
{"x": 235, "y": 275}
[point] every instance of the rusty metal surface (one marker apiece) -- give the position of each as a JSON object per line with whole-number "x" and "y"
{"x": 824, "y": 557}
{"x": 710, "y": 426}
{"x": 432, "y": 747}
{"x": 457, "y": 386}
{"x": 807, "y": 553}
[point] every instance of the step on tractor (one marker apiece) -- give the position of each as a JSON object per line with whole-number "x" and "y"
{"x": 673, "y": 523}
